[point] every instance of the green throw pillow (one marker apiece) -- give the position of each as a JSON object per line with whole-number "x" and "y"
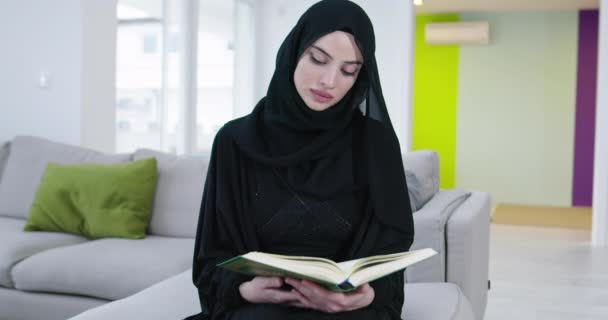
{"x": 95, "y": 200}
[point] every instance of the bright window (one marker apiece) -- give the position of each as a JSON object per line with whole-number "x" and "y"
{"x": 162, "y": 101}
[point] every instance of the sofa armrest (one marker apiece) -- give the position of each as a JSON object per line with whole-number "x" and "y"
{"x": 429, "y": 226}
{"x": 468, "y": 246}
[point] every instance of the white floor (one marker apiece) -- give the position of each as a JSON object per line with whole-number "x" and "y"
{"x": 546, "y": 273}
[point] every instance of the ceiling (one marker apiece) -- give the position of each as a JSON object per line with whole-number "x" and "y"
{"x": 433, "y": 6}
{"x": 154, "y": 8}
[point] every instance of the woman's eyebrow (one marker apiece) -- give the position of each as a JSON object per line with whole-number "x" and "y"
{"x": 330, "y": 57}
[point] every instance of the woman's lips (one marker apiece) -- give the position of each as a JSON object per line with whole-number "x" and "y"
{"x": 321, "y": 96}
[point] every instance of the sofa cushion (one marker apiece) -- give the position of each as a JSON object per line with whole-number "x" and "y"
{"x": 17, "y": 245}
{"x": 177, "y": 298}
{"x": 107, "y": 268}
{"x": 424, "y": 165}
{"x": 26, "y": 163}
{"x": 179, "y": 190}
{"x": 435, "y": 301}
{"x": 4, "y": 151}
{"x": 21, "y": 305}
{"x": 95, "y": 200}
{"x": 174, "y": 298}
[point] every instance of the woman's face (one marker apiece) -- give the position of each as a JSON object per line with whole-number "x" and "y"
{"x": 327, "y": 70}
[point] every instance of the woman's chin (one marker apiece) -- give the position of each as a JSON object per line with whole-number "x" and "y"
{"x": 316, "y": 106}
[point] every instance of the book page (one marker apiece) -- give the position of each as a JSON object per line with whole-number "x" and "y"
{"x": 296, "y": 258}
{"x": 380, "y": 270}
{"x": 316, "y": 269}
{"x": 351, "y": 266}
{"x": 251, "y": 267}
{"x": 347, "y": 266}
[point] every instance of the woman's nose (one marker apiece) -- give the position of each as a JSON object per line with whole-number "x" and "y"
{"x": 328, "y": 79}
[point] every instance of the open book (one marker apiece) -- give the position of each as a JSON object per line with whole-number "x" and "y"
{"x": 343, "y": 276}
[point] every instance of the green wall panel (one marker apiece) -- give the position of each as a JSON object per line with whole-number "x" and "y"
{"x": 435, "y": 98}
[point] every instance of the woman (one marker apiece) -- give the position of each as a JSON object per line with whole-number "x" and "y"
{"x": 314, "y": 170}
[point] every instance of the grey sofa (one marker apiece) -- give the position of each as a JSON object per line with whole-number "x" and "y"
{"x": 58, "y": 276}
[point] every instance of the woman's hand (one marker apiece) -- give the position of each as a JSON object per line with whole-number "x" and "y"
{"x": 313, "y": 296}
{"x": 267, "y": 290}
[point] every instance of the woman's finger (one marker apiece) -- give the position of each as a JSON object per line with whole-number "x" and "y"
{"x": 316, "y": 297}
{"x": 302, "y": 301}
{"x": 297, "y": 284}
{"x": 282, "y": 296}
{"x": 270, "y": 282}
{"x": 316, "y": 289}
{"x": 363, "y": 288}
{"x": 306, "y": 295}
{"x": 301, "y": 297}
{"x": 327, "y": 300}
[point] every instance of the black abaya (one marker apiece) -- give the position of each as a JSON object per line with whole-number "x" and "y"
{"x": 230, "y": 225}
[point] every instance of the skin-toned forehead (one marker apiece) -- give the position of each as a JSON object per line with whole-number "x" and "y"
{"x": 339, "y": 45}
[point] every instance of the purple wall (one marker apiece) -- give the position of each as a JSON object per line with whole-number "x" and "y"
{"x": 582, "y": 188}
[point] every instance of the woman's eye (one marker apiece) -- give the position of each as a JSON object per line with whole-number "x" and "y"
{"x": 349, "y": 74}
{"x": 319, "y": 62}
{"x": 315, "y": 60}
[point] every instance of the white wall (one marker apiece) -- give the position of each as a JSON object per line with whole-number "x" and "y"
{"x": 516, "y": 107}
{"x": 599, "y": 231}
{"x": 74, "y": 41}
{"x": 245, "y": 60}
{"x": 40, "y": 36}
{"x": 393, "y": 25}
{"x": 98, "y": 74}
{"x": 59, "y": 38}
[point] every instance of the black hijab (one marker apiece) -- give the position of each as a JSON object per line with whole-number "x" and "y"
{"x": 282, "y": 131}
